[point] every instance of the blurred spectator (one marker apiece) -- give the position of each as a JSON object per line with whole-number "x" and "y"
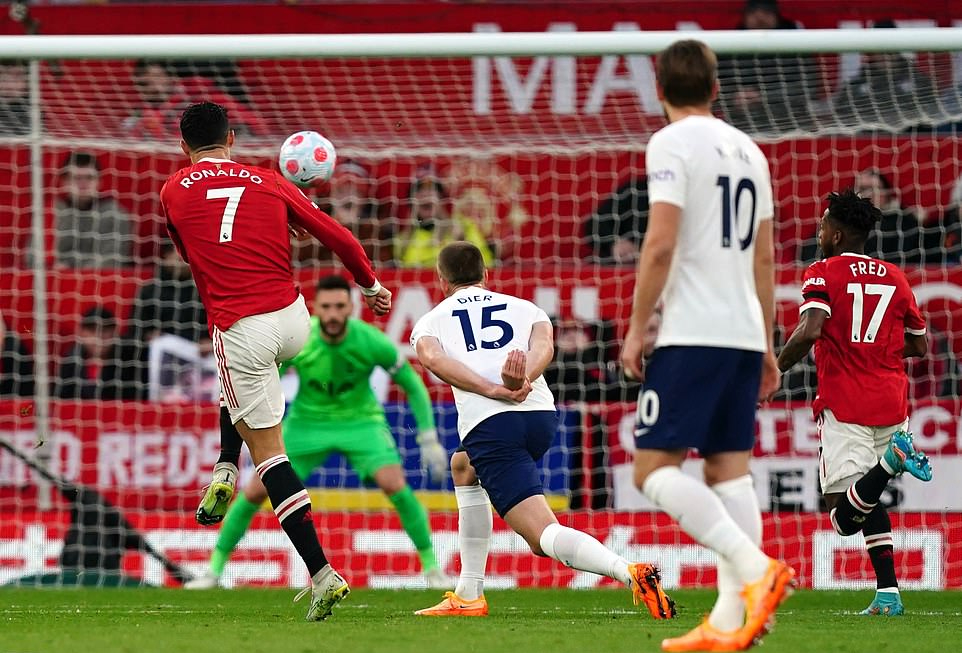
{"x": 937, "y": 373}
{"x": 942, "y": 231}
{"x": 164, "y": 97}
{"x": 432, "y": 227}
{"x": 766, "y": 93}
{"x": 16, "y": 365}
{"x": 585, "y": 369}
{"x": 221, "y": 73}
{"x": 487, "y": 195}
{"x": 14, "y": 99}
{"x": 352, "y": 202}
{"x": 898, "y": 237}
{"x": 614, "y": 233}
{"x": 97, "y": 367}
{"x": 91, "y": 229}
{"x": 888, "y": 91}
{"x": 167, "y": 304}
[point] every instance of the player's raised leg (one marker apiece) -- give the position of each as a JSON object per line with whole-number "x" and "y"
{"x": 256, "y": 402}
{"x": 503, "y": 450}
{"x": 474, "y": 536}
{"x": 858, "y": 508}
{"x": 213, "y": 506}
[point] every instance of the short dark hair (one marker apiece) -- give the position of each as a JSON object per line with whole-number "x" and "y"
{"x": 204, "y": 124}
{"x": 141, "y": 66}
{"x": 79, "y": 159}
{"x": 461, "y": 263}
{"x": 854, "y": 214}
{"x": 98, "y": 317}
{"x": 687, "y": 71}
{"x": 332, "y": 282}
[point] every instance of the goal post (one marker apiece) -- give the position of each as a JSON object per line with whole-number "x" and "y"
{"x": 531, "y": 144}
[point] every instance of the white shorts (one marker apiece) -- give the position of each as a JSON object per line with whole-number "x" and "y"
{"x": 247, "y": 357}
{"x": 849, "y": 450}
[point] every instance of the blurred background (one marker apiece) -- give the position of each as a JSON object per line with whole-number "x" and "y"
{"x": 537, "y": 160}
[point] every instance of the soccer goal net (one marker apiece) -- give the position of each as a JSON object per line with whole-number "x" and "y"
{"x": 531, "y": 146}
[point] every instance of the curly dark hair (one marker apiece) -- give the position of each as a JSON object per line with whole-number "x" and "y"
{"x": 853, "y": 213}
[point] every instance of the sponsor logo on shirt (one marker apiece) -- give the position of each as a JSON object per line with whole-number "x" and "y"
{"x": 661, "y": 175}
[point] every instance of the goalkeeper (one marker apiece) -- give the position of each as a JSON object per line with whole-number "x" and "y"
{"x": 335, "y": 411}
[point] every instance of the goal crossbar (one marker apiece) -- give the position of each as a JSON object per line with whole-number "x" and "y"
{"x": 312, "y": 46}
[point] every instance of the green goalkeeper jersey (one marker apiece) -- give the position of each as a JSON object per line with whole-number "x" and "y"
{"x": 335, "y": 378}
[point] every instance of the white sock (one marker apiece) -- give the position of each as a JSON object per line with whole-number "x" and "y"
{"x": 739, "y": 498}
{"x": 582, "y": 552}
{"x": 474, "y": 536}
{"x": 701, "y": 514}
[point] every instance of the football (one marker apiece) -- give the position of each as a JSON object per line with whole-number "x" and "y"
{"x": 307, "y": 157}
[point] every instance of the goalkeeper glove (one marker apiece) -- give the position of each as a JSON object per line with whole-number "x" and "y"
{"x": 434, "y": 458}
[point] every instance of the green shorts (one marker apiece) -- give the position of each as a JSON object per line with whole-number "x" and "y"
{"x": 368, "y": 446}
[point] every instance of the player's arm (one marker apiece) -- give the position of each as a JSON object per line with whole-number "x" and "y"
{"x": 304, "y": 213}
{"x": 417, "y": 395}
{"x": 171, "y": 231}
{"x": 916, "y": 346}
{"x": 434, "y": 457}
{"x": 764, "y": 265}
{"x": 459, "y": 375}
{"x": 651, "y": 275}
{"x": 540, "y": 349}
{"x": 916, "y": 342}
{"x": 809, "y": 330}
{"x": 764, "y": 268}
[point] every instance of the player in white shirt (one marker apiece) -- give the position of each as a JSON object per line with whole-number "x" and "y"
{"x": 708, "y": 257}
{"x": 492, "y": 348}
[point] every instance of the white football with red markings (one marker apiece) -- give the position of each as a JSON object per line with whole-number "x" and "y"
{"x": 307, "y": 157}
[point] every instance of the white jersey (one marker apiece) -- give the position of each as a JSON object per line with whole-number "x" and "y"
{"x": 478, "y": 327}
{"x": 720, "y": 179}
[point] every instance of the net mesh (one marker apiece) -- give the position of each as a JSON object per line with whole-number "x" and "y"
{"x": 540, "y": 161}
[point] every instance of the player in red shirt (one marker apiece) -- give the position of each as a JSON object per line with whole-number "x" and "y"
{"x": 230, "y": 223}
{"x": 861, "y": 316}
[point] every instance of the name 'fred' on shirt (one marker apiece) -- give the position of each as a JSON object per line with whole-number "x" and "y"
{"x": 868, "y": 267}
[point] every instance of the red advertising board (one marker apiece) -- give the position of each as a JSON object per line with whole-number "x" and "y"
{"x": 372, "y": 550}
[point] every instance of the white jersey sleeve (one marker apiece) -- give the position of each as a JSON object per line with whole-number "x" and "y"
{"x": 667, "y": 176}
{"x": 478, "y": 327}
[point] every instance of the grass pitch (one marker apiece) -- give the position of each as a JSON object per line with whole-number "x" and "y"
{"x": 528, "y": 621}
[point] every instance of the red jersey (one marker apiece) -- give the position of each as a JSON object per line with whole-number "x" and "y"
{"x": 870, "y": 306}
{"x": 230, "y": 223}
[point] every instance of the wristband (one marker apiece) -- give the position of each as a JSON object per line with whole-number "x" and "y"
{"x": 373, "y": 290}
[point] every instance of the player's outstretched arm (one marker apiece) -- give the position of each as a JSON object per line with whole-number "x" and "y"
{"x": 459, "y": 375}
{"x": 809, "y": 330}
{"x": 650, "y": 278}
{"x": 303, "y": 213}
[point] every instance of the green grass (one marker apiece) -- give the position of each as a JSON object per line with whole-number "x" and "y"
{"x": 523, "y": 621}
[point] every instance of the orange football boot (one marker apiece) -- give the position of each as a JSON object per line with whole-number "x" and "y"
{"x": 705, "y": 637}
{"x": 646, "y": 588}
{"x": 454, "y": 606}
{"x": 762, "y": 599}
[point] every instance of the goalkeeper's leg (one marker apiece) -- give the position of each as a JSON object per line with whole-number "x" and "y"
{"x": 414, "y": 519}
{"x": 373, "y": 454}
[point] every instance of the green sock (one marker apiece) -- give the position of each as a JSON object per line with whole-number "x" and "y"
{"x": 414, "y": 519}
{"x": 236, "y": 522}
